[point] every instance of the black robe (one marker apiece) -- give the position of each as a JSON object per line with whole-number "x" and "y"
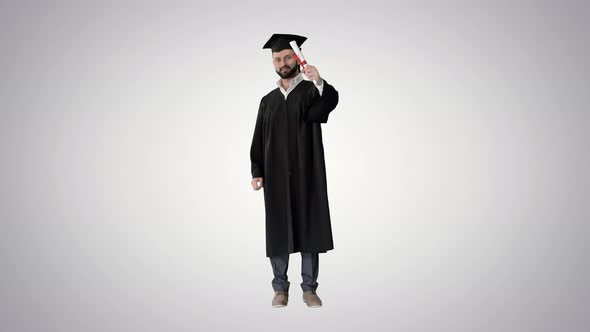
{"x": 288, "y": 153}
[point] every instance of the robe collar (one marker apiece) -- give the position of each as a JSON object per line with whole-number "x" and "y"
{"x": 294, "y": 81}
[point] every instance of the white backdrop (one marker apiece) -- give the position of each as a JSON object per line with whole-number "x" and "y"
{"x": 457, "y": 164}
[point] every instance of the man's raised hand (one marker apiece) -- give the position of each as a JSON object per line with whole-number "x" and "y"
{"x": 312, "y": 73}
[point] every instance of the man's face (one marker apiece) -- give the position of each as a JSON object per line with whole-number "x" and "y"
{"x": 285, "y": 64}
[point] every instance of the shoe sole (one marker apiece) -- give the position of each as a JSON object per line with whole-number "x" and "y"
{"x": 312, "y": 306}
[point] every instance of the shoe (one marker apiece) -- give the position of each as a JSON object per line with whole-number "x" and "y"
{"x": 280, "y": 299}
{"x": 312, "y": 299}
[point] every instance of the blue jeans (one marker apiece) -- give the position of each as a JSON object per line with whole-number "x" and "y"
{"x": 310, "y": 264}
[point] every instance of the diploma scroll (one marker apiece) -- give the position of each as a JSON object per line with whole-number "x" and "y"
{"x": 298, "y": 55}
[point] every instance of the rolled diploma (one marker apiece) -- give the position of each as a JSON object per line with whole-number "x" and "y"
{"x": 300, "y": 56}
{"x": 298, "y": 52}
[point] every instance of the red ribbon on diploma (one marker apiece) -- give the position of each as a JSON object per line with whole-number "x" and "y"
{"x": 302, "y": 63}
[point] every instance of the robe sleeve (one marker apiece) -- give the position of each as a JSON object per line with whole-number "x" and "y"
{"x": 257, "y": 148}
{"x": 322, "y": 104}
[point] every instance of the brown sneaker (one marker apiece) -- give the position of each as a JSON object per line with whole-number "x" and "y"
{"x": 312, "y": 299}
{"x": 280, "y": 299}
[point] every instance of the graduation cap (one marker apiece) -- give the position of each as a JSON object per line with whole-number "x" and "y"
{"x": 280, "y": 41}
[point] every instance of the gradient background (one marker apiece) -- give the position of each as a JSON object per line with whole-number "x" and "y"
{"x": 457, "y": 164}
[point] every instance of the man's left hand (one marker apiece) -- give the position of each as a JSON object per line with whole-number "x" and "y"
{"x": 312, "y": 73}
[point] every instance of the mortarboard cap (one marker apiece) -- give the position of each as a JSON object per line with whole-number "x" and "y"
{"x": 279, "y": 41}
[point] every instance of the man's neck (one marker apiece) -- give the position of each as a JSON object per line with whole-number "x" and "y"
{"x": 286, "y": 82}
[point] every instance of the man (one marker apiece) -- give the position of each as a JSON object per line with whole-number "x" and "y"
{"x": 287, "y": 160}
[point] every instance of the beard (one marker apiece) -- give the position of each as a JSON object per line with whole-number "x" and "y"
{"x": 289, "y": 72}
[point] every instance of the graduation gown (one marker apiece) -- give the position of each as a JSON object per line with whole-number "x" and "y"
{"x": 288, "y": 153}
